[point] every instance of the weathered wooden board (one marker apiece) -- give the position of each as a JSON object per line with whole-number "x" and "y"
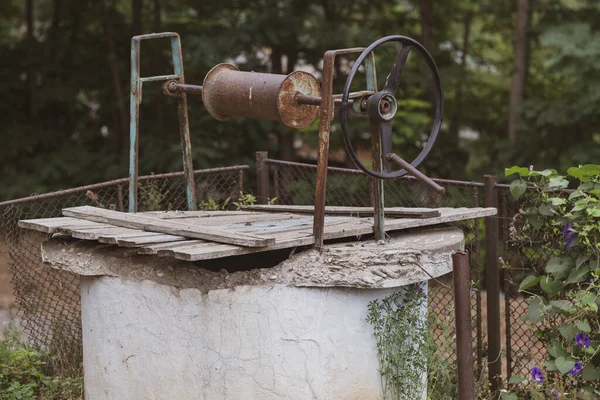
{"x": 144, "y": 222}
{"x": 49, "y": 225}
{"x": 145, "y": 240}
{"x": 96, "y": 233}
{"x": 146, "y": 230}
{"x": 155, "y": 248}
{"x": 397, "y": 212}
{"x": 114, "y": 238}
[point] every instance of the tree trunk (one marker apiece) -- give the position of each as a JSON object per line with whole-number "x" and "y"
{"x": 121, "y": 111}
{"x": 30, "y": 57}
{"x": 157, "y": 27}
{"x": 156, "y": 16}
{"x": 517, "y": 91}
{"x": 426, "y": 14}
{"x": 53, "y": 32}
{"x": 136, "y": 22}
{"x": 456, "y": 121}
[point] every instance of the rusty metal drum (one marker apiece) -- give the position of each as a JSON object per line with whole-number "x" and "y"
{"x": 228, "y": 92}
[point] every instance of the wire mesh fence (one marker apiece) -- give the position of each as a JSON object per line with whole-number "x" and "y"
{"x": 48, "y": 299}
{"x": 294, "y": 184}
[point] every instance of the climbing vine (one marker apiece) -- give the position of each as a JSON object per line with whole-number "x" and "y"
{"x": 400, "y": 326}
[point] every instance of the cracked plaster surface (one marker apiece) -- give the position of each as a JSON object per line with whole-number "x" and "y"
{"x": 404, "y": 259}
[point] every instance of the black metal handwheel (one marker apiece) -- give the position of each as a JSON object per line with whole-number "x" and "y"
{"x": 382, "y": 106}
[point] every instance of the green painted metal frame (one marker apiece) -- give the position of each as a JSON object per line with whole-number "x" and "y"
{"x": 134, "y": 123}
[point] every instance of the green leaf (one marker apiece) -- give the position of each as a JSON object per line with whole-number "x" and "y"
{"x": 508, "y": 396}
{"x": 578, "y": 275}
{"x": 528, "y": 282}
{"x": 568, "y": 331}
{"x": 581, "y": 259}
{"x": 535, "y": 311}
{"x": 546, "y": 209}
{"x": 557, "y": 201}
{"x": 556, "y": 350}
{"x": 517, "y": 188}
{"x": 563, "y": 305}
{"x": 534, "y": 217}
{"x": 585, "y": 297}
{"x": 557, "y": 182}
{"x": 551, "y": 365}
{"x": 594, "y": 212}
{"x": 515, "y": 379}
{"x": 564, "y": 365}
{"x": 522, "y": 171}
{"x": 590, "y": 373}
{"x": 583, "y": 326}
{"x": 560, "y": 267}
{"x": 550, "y": 286}
{"x": 584, "y": 172}
{"x": 576, "y": 194}
{"x": 546, "y": 172}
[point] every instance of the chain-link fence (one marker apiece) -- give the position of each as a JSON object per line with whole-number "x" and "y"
{"x": 294, "y": 183}
{"x": 48, "y": 299}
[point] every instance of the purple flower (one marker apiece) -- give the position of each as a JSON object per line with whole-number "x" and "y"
{"x": 570, "y": 238}
{"x": 531, "y": 167}
{"x": 577, "y": 368}
{"x": 571, "y": 234}
{"x": 537, "y": 375}
{"x": 556, "y": 395}
{"x": 582, "y": 340}
{"x": 500, "y": 259}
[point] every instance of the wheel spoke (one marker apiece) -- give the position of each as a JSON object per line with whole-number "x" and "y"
{"x": 393, "y": 79}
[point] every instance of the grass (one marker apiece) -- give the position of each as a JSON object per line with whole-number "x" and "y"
{"x": 32, "y": 374}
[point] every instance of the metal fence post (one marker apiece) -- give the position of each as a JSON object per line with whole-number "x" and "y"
{"x": 492, "y": 286}
{"x": 262, "y": 177}
{"x": 464, "y": 342}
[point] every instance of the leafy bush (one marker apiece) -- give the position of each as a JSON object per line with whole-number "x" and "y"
{"x": 558, "y": 231}
{"x": 25, "y": 374}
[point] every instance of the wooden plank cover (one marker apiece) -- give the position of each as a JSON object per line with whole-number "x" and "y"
{"x": 145, "y": 222}
{"x": 351, "y": 211}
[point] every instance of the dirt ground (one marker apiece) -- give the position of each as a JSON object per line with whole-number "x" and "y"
{"x": 7, "y": 299}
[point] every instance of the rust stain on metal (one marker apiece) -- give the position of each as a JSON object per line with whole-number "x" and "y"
{"x": 228, "y": 92}
{"x": 291, "y": 113}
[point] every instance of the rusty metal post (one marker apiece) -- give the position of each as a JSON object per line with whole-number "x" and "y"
{"x": 241, "y": 181}
{"x": 462, "y": 310}
{"x": 492, "y": 286}
{"x": 323, "y": 151}
{"x": 262, "y": 177}
{"x": 120, "y": 205}
{"x": 184, "y": 127}
{"x": 326, "y": 116}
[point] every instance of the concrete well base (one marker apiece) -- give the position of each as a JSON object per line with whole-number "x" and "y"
{"x": 156, "y": 328}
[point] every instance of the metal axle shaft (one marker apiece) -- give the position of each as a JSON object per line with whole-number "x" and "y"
{"x": 416, "y": 173}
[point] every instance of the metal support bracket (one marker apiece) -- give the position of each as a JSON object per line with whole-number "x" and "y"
{"x": 326, "y": 116}
{"x": 134, "y": 123}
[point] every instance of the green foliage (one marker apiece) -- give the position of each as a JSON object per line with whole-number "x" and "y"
{"x": 154, "y": 195}
{"x": 25, "y": 374}
{"x": 245, "y": 199}
{"x": 558, "y": 231}
{"x": 400, "y": 329}
{"x": 442, "y": 383}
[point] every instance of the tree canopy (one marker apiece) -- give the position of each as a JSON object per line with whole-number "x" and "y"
{"x": 65, "y": 82}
